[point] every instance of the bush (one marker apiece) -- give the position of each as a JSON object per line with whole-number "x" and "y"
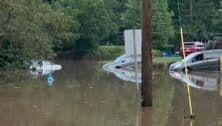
{"x": 156, "y": 53}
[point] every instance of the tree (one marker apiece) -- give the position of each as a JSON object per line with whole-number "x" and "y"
{"x": 132, "y": 16}
{"x": 30, "y": 30}
{"x": 163, "y": 29}
{"x": 198, "y": 21}
{"x": 96, "y": 23}
{"x": 217, "y": 22}
{"x": 116, "y": 8}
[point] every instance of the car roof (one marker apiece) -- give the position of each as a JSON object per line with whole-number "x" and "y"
{"x": 213, "y": 53}
{"x": 197, "y": 42}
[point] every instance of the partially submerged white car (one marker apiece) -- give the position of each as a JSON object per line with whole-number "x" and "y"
{"x": 123, "y": 61}
{"x": 208, "y": 59}
{"x": 43, "y": 67}
{"x": 124, "y": 68}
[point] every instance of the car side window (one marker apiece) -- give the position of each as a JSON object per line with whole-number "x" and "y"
{"x": 198, "y": 58}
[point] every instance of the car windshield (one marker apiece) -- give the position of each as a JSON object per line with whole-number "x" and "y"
{"x": 191, "y": 56}
{"x": 119, "y": 59}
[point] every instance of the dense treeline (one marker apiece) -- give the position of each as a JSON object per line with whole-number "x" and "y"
{"x": 32, "y": 30}
{"x": 200, "y": 19}
{"x": 42, "y": 29}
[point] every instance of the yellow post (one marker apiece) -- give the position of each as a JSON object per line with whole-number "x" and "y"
{"x": 191, "y": 122}
{"x": 220, "y": 86}
{"x": 186, "y": 75}
{"x": 220, "y": 63}
{"x": 220, "y": 80}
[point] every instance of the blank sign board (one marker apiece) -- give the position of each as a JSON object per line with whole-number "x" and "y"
{"x": 129, "y": 37}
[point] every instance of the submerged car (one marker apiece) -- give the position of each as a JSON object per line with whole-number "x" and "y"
{"x": 123, "y": 61}
{"x": 124, "y": 68}
{"x": 208, "y": 59}
{"x": 43, "y": 67}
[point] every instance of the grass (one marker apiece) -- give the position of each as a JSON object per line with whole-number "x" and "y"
{"x": 112, "y": 52}
{"x": 167, "y": 60}
{"x": 106, "y": 53}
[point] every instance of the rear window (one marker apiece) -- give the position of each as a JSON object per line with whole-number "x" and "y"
{"x": 200, "y": 45}
{"x": 188, "y": 45}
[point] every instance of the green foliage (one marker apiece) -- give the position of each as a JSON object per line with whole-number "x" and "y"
{"x": 40, "y": 29}
{"x": 30, "y": 30}
{"x": 156, "y": 53}
{"x": 96, "y": 23}
{"x": 116, "y": 9}
{"x": 197, "y": 19}
{"x": 132, "y": 16}
{"x": 218, "y": 19}
{"x": 163, "y": 29}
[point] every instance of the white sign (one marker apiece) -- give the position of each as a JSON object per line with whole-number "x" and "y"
{"x": 129, "y": 42}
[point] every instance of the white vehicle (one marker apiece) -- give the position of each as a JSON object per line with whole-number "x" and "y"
{"x": 43, "y": 67}
{"x": 123, "y": 61}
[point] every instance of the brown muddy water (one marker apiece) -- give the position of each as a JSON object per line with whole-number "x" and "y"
{"x": 83, "y": 94}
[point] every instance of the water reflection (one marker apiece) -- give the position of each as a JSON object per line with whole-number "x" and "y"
{"x": 50, "y": 79}
{"x": 163, "y": 94}
{"x": 82, "y": 95}
{"x": 44, "y": 73}
{"x": 126, "y": 73}
{"x": 44, "y": 68}
{"x": 205, "y": 99}
{"x": 205, "y": 80}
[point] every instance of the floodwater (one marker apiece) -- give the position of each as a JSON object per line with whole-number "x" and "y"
{"x": 83, "y": 94}
{"x": 171, "y": 99}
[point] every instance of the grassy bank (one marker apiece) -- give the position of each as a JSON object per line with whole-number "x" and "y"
{"x": 112, "y": 52}
{"x": 166, "y": 60}
{"x": 105, "y": 53}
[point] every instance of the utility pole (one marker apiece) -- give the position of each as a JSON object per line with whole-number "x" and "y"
{"x": 146, "y": 53}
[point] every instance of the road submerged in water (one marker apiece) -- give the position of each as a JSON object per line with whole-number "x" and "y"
{"x": 82, "y": 94}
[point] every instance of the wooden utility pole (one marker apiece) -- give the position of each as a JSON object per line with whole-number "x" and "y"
{"x": 146, "y": 53}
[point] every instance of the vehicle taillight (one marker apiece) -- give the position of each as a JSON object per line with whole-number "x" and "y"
{"x": 193, "y": 49}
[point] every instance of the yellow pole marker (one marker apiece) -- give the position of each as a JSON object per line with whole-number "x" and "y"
{"x": 186, "y": 75}
{"x": 220, "y": 86}
{"x": 220, "y": 80}
{"x": 191, "y": 123}
{"x": 220, "y": 62}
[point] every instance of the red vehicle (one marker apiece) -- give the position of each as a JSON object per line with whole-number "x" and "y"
{"x": 191, "y": 47}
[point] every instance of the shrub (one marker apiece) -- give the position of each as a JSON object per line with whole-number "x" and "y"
{"x": 156, "y": 53}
